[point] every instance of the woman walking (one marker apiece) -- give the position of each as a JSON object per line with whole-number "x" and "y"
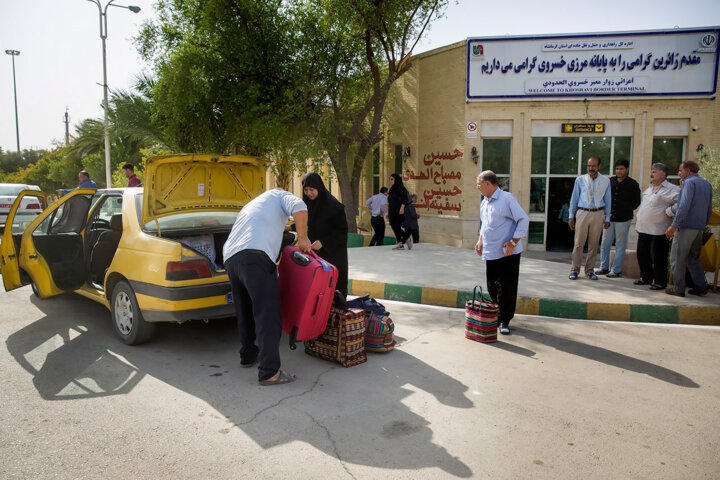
{"x": 398, "y": 197}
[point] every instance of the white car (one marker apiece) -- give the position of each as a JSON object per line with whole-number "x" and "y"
{"x": 29, "y": 208}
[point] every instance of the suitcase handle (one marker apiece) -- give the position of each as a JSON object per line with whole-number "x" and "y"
{"x": 317, "y": 302}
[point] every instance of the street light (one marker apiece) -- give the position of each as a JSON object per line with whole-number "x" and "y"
{"x": 13, "y": 54}
{"x": 103, "y": 35}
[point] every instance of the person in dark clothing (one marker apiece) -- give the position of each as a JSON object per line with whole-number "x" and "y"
{"x": 626, "y": 195}
{"x": 412, "y": 230}
{"x": 398, "y": 197}
{"x": 327, "y": 226}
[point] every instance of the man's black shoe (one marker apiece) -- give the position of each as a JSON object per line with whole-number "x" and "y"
{"x": 697, "y": 291}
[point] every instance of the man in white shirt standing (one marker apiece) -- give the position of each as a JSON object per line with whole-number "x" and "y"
{"x": 377, "y": 204}
{"x": 653, "y": 218}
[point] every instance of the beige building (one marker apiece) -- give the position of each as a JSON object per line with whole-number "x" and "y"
{"x": 522, "y": 109}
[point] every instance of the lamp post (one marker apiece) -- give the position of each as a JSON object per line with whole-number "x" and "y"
{"x": 13, "y": 54}
{"x": 103, "y": 35}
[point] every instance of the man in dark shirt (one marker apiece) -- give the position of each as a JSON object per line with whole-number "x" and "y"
{"x": 625, "y": 199}
{"x": 129, "y": 172}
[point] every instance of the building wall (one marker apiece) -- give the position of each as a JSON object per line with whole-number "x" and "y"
{"x": 432, "y": 121}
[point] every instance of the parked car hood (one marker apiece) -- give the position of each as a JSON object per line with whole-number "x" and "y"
{"x": 196, "y": 183}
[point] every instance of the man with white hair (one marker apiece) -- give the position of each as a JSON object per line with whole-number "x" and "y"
{"x": 653, "y": 218}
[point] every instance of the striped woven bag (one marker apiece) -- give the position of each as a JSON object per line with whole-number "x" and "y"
{"x": 481, "y": 318}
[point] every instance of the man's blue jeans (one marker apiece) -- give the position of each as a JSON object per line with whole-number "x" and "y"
{"x": 617, "y": 231}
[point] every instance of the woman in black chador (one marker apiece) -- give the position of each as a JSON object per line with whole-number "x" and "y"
{"x": 397, "y": 199}
{"x": 327, "y": 226}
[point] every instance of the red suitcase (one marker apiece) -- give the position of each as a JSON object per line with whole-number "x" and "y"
{"x": 307, "y": 285}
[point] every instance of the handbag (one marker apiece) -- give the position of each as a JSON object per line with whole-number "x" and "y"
{"x": 368, "y": 304}
{"x": 481, "y": 318}
{"x": 379, "y": 333}
{"x": 343, "y": 341}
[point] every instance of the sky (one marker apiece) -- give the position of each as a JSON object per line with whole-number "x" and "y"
{"x": 60, "y": 61}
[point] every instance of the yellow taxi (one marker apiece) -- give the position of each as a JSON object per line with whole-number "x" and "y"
{"x": 149, "y": 254}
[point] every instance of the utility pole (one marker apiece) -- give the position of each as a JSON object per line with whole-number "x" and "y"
{"x": 13, "y": 54}
{"x": 67, "y": 127}
{"x": 103, "y": 37}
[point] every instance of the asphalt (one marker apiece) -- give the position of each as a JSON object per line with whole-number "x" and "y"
{"x": 557, "y": 399}
{"x": 446, "y": 276}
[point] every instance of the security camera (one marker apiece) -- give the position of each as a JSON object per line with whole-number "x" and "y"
{"x": 695, "y": 128}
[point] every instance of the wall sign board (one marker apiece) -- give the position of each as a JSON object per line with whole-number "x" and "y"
{"x": 678, "y": 63}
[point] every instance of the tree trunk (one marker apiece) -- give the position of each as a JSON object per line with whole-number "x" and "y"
{"x": 348, "y": 191}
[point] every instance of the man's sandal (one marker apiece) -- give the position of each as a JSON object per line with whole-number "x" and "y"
{"x": 283, "y": 378}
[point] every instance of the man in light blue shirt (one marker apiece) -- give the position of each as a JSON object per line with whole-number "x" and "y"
{"x": 83, "y": 182}
{"x": 590, "y": 208}
{"x": 693, "y": 212}
{"x": 503, "y": 224}
{"x": 250, "y": 252}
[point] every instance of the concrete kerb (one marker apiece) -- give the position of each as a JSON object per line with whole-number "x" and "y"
{"x": 527, "y": 305}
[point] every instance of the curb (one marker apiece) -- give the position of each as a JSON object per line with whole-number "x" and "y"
{"x": 414, "y": 293}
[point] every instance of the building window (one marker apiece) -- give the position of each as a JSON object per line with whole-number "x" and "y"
{"x": 671, "y": 152}
{"x": 539, "y": 155}
{"x": 564, "y": 154}
{"x": 598, "y": 147}
{"x": 537, "y": 195}
{"x": 376, "y": 170}
{"x": 398, "y": 159}
{"x": 496, "y": 154}
{"x": 536, "y": 234}
{"x": 622, "y": 149}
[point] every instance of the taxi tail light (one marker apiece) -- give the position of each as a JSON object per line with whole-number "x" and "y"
{"x": 187, "y": 270}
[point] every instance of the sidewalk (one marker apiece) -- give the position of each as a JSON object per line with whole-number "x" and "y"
{"x": 441, "y": 275}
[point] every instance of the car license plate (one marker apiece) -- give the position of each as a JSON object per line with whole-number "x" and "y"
{"x": 229, "y": 298}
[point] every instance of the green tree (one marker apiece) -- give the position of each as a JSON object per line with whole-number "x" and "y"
{"x": 289, "y": 80}
{"x": 131, "y": 130}
{"x": 709, "y": 160}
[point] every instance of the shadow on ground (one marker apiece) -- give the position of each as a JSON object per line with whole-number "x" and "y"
{"x": 357, "y": 415}
{"x": 605, "y": 356}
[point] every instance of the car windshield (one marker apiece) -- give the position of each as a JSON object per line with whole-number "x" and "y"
{"x": 184, "y": 221}
{"x": 11, "y": 190}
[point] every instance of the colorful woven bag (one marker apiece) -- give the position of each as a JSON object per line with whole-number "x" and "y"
{"x": 343, "y": 341}
{"x": 379, "y": 333}
{"x": 481, "y": 318}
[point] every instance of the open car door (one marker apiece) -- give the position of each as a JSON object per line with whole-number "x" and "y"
{"x": 50, "y": 251}
{"x": 18, "y": 219}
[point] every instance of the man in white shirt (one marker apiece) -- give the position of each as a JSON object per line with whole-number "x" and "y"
{"x": 653, "y": 218}
{"x": 250, "y": 252}
{"x": 377, "y": 204}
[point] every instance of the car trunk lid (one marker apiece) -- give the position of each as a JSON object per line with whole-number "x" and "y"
{"x": 196, "y": 183}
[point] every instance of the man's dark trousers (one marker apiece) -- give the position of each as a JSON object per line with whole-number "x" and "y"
{"x": 256, "y": 293}
{"x": 502, "y": 282}
{"x": 652, "y": 255}
{"x": 378, "y": 225}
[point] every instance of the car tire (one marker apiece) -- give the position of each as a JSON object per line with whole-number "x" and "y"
{"x": 127, "y": 318}
{"x": 35, "y": 289}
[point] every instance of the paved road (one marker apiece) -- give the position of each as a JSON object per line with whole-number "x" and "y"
{"x": 557, "y": 399}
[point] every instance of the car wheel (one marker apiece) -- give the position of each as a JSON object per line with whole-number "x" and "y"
{"x": 127, "y": 317}
{"x": 35, "y": 289}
